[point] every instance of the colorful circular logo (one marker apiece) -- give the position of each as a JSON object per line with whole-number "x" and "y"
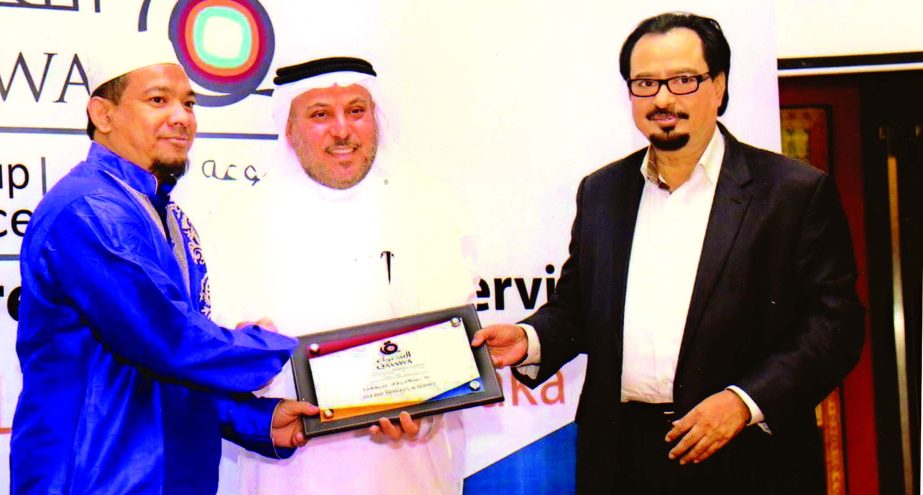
{"x": 388, "y": 348}
{"x": 226, "y": 46}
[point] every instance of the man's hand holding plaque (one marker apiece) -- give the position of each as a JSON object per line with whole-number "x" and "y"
{"x": 287, "y": 430}
{"x": 407, "y": 428}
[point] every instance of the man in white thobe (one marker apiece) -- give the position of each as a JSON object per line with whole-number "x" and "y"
{"x": 346, "y": 234}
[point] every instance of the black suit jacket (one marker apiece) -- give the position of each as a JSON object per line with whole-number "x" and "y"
{"x": 773, "y": 310}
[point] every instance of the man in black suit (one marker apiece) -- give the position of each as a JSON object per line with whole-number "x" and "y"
{"x": 711, "y": 285}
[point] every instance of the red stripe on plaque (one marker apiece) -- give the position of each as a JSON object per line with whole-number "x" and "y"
{"x": 339, "y": 345}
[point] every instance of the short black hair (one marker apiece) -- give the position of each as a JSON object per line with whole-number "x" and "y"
{"x": 715, "y": 46}
{"x": 111, "y": 90}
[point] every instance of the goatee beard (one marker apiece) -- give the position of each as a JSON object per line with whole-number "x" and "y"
{"x": 167, "y": 173}
{"x": 669, "y": 141}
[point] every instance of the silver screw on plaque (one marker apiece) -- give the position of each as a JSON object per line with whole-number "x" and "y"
{"x": 314, "y": 348}
{"x": 328, "y": 413}
{"x": 456, "y": 321}
{"x": 475, "y": 385}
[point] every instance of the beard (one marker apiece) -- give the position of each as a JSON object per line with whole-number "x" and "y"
{"x": 318, "y": 168}
{"x": 320, "y": 174}
{"x": 667, "y": 139}
{"x": 167, "y": 173}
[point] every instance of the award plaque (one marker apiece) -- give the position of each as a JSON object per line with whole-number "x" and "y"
{"x": 423, "y": 364}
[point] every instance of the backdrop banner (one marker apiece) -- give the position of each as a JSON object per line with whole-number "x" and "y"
{"x": 508, "y": 103}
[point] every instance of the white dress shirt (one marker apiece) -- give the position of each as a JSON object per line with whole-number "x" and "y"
{"x": 667, "y": 244}
{"x": 665, "y": 255}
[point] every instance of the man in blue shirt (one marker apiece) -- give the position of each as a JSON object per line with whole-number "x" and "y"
{"x": 128, "y": 387}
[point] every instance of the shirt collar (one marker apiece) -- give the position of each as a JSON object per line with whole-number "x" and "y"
{"x": 713, "y": 156}
{"x": 710, "y": 161}
{"x": 136, "y": 177}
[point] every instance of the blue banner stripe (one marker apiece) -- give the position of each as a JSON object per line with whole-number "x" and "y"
{"x": 545, "y": 467}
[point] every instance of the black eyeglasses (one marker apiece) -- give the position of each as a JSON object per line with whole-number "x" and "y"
{"x": 678, "y": 85}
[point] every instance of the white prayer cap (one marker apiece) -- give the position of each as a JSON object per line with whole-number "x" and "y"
{"x": 114, "y": 56}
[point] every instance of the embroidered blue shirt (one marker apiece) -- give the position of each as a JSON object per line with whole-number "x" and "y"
{"x": 128, "y": 387}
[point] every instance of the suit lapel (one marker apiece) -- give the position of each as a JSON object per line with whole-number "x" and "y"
{"x": 626, "y": 200}
{"x": 727, "y": 213}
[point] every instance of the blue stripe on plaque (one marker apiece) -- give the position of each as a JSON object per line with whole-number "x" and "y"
{"x": 459, "y": 391}
{"x": 545, "y": 467}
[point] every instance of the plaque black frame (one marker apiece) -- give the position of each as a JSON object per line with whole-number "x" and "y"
{"x": 489, "y": 393}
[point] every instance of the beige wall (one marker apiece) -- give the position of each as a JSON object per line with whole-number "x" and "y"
{"x": 812, "y": 28}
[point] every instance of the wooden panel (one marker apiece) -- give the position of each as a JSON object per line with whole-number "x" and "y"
{"x": 834, "y": 108}
{"x": 806, "y": 136}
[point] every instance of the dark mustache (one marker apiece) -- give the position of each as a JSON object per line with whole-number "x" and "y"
{"x": 344, "y": 142}
{"x": 663, "y": 113}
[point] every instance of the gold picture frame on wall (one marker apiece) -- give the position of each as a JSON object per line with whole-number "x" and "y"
{"x": 806, "y": 135}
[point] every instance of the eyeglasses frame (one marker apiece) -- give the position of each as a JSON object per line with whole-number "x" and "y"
{"x": 666, "y": 82}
